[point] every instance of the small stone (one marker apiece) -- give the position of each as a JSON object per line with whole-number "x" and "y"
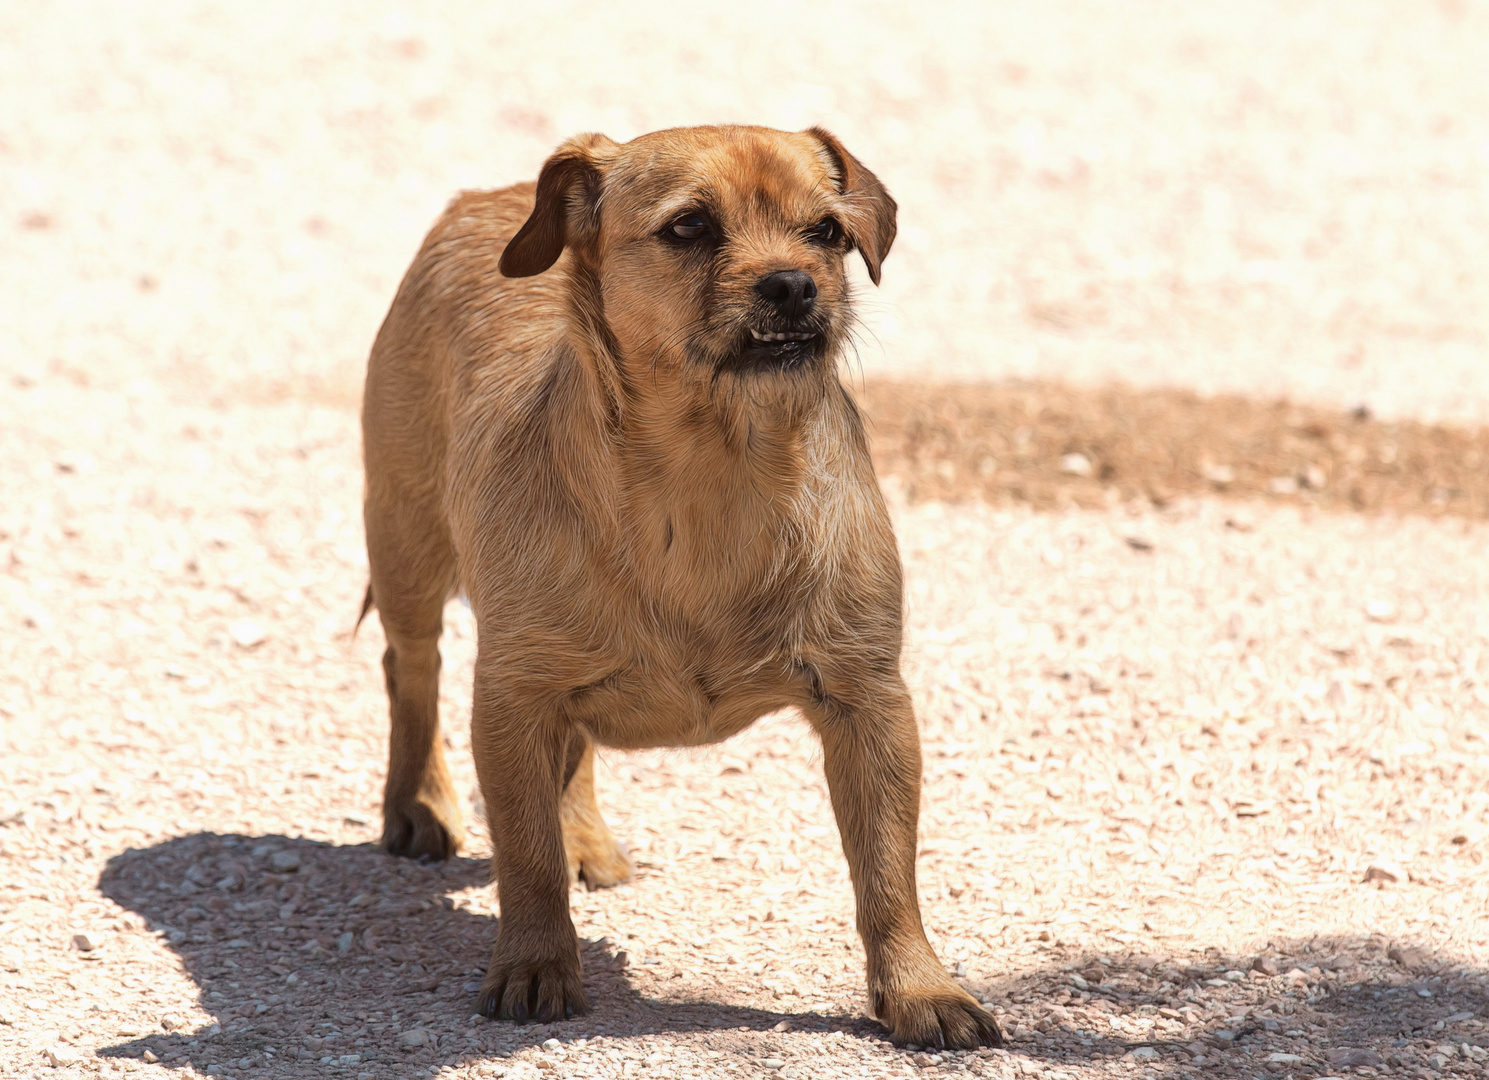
{"x": 1224, "y": 1035}
{"x": 1240, "y": 521}
{"x": 1143, "y": 1053}
{"x": 1311, "y": 476}
{"x": 285, "y": 862}
{"x": 59, "y": 1057}
{"x": 1407, "y": 957}
{"x": 1234, "y": 976}
{"x": 1138, "y": 543}
{"x": 149, "y": 1055}
{"x": 247, "y": 633}
{"x": 1438, "y": 1062}
{"x": 961, "y": 969}
{"x": 1075, "y": 465}
{"x": 1386, "y": 872}
{"x": 1285, "y": 1059}
{"x": 784, "y": 1025}
{"x": 1380, "y": 610}
{"x": 170, "y": 1021}
{"x": 772, "y": 1063}
{"x": 362, "y": 900}
{"x": 414, "y": 1037}
{"x": 87, "y": 942}
{"x": 1220, "y": 475}
{"x": 344, "y": 942}
{"x": 1265, "y": 965}
{"x": 1078, "y": 981}
{"x": 1282, "y": 485}
{"x": 1349, "y": 1057}
{"x": 551, "y": 1045}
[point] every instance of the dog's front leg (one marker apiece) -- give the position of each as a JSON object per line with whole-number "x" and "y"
{"x": 520, "y": 753}
{"x": 871, "y": 751}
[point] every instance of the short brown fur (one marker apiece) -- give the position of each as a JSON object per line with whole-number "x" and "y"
{"x": 666, "y": 528}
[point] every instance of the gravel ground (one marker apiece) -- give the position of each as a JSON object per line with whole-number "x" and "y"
{"x": 1206, "y": 778}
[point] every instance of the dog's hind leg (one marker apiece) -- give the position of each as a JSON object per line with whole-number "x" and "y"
{"x": 593, "y": 851}
{"x": 413, "y": 570}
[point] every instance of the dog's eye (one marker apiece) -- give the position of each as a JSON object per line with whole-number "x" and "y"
{"x": 825, "y": 231}
{"x": 689, "y": 227}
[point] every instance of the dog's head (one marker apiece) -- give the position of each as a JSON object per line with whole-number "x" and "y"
{"x": 712, "y": 252}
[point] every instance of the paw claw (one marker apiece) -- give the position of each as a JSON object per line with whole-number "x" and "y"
{"x": 946, "y": 1018}
{"x": 422, "y": 829}
{"x": 521, "y": 990}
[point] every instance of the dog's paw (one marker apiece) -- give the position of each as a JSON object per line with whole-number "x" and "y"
{"x": 524, "y": 989}
{"x": 602, "y": 866}
{"x": 423, "y": 829}
{"x": 946, "y": 1017}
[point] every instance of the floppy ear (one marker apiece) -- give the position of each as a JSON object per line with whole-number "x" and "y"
{"x": 871, "y": 215}
{"x": 565, "y": 211}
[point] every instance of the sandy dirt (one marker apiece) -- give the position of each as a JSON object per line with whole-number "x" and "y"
{"x": 1207, "y": 779}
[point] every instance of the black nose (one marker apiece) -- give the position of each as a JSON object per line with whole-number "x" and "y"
{"x": 792, "y": 291}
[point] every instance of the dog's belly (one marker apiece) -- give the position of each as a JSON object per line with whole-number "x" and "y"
{"x": 638, "y": 707}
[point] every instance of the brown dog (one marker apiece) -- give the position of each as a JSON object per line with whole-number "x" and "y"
{"x": 607, "y": 408}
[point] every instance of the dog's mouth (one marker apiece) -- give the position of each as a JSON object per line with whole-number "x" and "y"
{"x": 778, "y": 349}
{"x": 776, "y": 339}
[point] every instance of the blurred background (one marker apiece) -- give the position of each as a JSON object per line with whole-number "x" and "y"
{"x": 1274, "y": 198}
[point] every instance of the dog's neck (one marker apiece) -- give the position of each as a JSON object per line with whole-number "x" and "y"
{"x": 721, "y": 468}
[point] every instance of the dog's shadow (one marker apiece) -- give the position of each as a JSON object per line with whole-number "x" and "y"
{"x": 306, "y": 951}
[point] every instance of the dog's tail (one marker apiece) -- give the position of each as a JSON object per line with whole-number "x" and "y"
{"x": 367, "y": 605}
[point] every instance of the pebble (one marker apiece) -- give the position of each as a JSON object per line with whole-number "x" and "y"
{"x": 1387, "y": 872}
{"x": 285, "y": 862}
{"x": 344, "y": 942}
{"x": 170, "y": 1021}
{"x": 1075, "y": 465}
{"x": 414, "y": 1037}
{"x": 1407, "y": 957}
{"x": 1380, "y": 611}
{"x": 59, "y": 1057}
{"x": 1349, "y": 1057}
{"x": 1265, "y": 965}
{"x": 247, "y": 633}
{"x": 87, "y": 942}
{"x": 1285, "y": 1059}
{"x": 772, "y": 1063}
{"x": 1143, "y": 1053}
{"x": 552, "y": 1044}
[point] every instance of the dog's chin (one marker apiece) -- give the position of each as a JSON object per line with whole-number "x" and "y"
{"x": 765, "y": 354}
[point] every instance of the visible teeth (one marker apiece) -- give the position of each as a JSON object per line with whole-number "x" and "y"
{"x": 758, "y": 336}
